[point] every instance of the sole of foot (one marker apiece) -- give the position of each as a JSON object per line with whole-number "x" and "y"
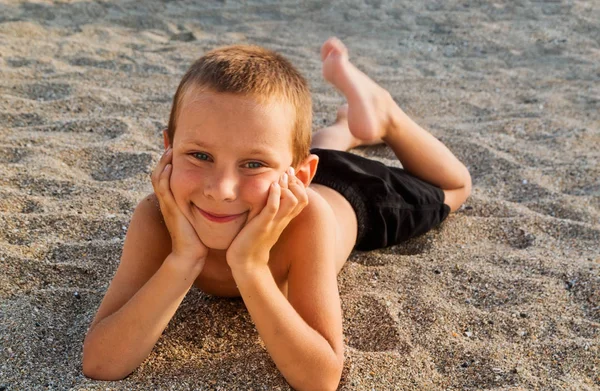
{"x": 369, "y": 105}
{"x": 342, "y": 120}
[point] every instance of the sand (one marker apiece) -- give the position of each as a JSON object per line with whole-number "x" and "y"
{"x": 504, "y": 295}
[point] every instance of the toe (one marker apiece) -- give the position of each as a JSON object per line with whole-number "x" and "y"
{"x": 326, "y": 48}
{"x": 333, "y": 44}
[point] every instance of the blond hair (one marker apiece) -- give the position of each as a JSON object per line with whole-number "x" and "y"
{"x": 257, "y": 72}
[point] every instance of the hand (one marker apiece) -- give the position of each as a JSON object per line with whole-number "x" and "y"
{"x": 185, "y": 242}
{"x": 252, "y": 244}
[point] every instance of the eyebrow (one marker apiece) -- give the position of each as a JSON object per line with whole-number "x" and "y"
{"x": 253, "y": 151}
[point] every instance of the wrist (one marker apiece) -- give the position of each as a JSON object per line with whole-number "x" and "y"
{"x": 249, "y": 271}
{"x": 247, "y": 262}
{"x": 185, "y": 265}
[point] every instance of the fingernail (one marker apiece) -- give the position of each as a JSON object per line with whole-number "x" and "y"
{"x": 292, "y": 171}
{"x": 285, "y": 178}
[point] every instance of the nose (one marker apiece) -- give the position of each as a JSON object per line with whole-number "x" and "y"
{"x": 221, "y": 187}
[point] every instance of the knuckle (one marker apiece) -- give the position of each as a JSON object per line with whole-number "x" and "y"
{"x": 304, "y": 199}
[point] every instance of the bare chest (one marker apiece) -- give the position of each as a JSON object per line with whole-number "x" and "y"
{"x": 216, "y": 277}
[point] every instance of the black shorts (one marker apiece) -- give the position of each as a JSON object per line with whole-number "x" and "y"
{"x": 391, "y": 205}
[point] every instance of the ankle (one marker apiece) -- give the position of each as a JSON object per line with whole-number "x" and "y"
{"x": 333, "y": 137}
{"x": 395, "y": 123}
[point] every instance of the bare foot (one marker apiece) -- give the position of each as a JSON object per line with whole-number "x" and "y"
{"x": 338, "y": 135}
{"x": 369, "y": 105}
{"x": 342, "y": 122}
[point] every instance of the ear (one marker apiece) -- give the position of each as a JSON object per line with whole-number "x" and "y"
{"x": 307, "y": 169}
{"x": 166, "y": 138}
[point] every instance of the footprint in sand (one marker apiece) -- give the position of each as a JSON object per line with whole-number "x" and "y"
{"x": 369, "y": 327}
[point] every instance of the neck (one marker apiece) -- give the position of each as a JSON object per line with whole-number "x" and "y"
{"x": 217, "y": 254}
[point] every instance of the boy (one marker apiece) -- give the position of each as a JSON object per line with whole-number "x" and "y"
{"x": 243, "y": 209}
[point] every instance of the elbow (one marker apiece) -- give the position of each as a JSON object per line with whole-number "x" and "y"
{"x": 464, "y": 192}
{"x": 326, "y": 380}
{"x": 468, "y": 184}
{"x": 332, "y": 380}
{"x": 96, "y": 369}
{"x": 457, "y": 196}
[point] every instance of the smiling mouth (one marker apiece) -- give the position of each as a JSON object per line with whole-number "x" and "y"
{"x": 219, "y": 218}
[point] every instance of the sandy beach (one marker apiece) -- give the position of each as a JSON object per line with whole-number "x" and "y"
{"x": 504, "y": 295}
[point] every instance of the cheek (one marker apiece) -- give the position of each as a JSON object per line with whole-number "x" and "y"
{"x": 183, "y": 182}
{"x": 256, "y": 191}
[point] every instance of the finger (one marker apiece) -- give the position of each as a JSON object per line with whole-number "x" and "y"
{"x": 164, "y": 187}
{"x": 283, "y": 181}
{"x": 163, "y": 190}
{"x": 293, "y": 179}
{"x": 287, "y": 205}
{"x": 298, "y": 188}
{"x": 158, "y": 172}
{"x": 299, "y": 191}
{"x": 166, "y": 158}
{"x": 273, "y": 202}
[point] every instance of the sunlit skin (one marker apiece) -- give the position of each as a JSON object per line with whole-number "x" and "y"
{"x": 283, "y": 254}
{"x": 227, "y": 150}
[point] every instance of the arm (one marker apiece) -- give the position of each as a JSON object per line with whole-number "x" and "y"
{"x": 146, "y": 290}
{"x": 118, "y": 344}
{"x": 302, "y": 335}
{"x": 424, "y": 156}
{"x": 160, "y": 261}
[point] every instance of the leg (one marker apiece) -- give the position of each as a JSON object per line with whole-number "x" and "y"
{"x": 338, "y": 135}
{"x": 373, "y": 115}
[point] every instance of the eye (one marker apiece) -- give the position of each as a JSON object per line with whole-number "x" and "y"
{"x": 200, "y": 155}
{"x": 255, "y": 164}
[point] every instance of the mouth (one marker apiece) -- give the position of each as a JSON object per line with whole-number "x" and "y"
{"x": 219, "y": 218}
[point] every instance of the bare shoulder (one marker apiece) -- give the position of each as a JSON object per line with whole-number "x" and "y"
{"x": 148, "y": 211}
{"x": 146, "y": 246}
{"x": 147, "y": 236}
{"x": 299, "y": 232}
{"x": 317, "y": 210}
{"x": 315, "y": 217}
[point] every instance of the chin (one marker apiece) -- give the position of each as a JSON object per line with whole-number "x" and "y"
{"x": 216, "y": 242}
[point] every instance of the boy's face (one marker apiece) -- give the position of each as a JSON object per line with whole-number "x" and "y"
{"x": 227, "y": 150}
